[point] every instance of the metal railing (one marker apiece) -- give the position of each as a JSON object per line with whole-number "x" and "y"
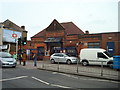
{"x": 92, "y": 70}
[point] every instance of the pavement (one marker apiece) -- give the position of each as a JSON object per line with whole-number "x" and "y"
{"x": 74, "y": 69}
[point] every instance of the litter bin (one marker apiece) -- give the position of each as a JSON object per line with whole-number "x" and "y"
{"x": 116, "y": 62}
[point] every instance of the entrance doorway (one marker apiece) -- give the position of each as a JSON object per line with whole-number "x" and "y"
{"x": 40, "y": 53}
{"x": 53, "y": 44}
{"x": 55, "y": 48}
{"x": 111, "y": 47}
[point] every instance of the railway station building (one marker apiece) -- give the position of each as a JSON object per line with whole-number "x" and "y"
{"x": 68, "y": 38}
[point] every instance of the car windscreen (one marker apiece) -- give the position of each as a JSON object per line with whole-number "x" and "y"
{"x": 67, "y": 55}
{"x": 5, "y": 55}
{"x": 108, "y": 54}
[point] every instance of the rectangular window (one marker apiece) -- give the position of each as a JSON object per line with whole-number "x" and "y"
{"x": 71, "y": 51}
{"x": 94, "y": 45}
{"x": 40, "y": 51}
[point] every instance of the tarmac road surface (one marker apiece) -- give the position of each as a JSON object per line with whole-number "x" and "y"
{"x": 21, "y": 77}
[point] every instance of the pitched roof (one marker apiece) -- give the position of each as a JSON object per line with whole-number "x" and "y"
{"x": 10, "y": 25}
{"x": 41, "y": 33}
{"x": 69, "y": 27}
{"x": 55, "y": 25}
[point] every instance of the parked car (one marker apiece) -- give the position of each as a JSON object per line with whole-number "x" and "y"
{"x": 6, "y": 60}
{"x": 95, "y": 56}
{"x": 63, "y": 58}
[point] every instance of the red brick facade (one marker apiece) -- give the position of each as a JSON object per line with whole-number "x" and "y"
{"x": 111, "y": 38}
{"x": 102, "y": 40}
{"x": 68, "y": 37}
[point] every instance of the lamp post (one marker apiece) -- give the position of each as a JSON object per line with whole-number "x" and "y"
{"x": 1, "y": 34}
{"x": 77, "y": 55}
{"x": 1, "y": 43}
{"x": 77, "y": 47}
{"x": 16, "y": 46}
{"x": 16, "y": 41}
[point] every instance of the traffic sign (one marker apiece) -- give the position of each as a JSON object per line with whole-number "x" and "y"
{"x": 14, "y": 35}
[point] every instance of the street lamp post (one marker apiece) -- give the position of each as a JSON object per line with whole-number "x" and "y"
{"x": 1, "y": 34}
{"x": 16, "y": 41}
{"x": 16, "y": 46}
{"x": 77, "y": 55}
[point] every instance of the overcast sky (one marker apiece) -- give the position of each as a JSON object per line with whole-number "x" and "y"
{"x": 97, "y": 16}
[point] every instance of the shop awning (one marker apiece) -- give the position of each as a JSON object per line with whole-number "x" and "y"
{"x": 52, "y": 40}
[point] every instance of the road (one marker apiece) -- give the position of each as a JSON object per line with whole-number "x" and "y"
{"x": 20, "y": 77}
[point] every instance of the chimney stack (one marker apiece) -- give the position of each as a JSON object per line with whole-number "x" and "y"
{"x": 87, "y": 32}
{"x": 23, "y": 27}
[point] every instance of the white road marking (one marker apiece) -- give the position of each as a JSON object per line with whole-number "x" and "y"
{"x": 50, "y": 83}
{"x": 41, "y": 80}
{"x": 13, "y": 78}
{"x": 68, "y": 75}
{"x": 60, "y": 86}
{"x": 54, "y": 73}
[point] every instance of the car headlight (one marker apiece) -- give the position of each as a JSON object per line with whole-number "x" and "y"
{"x": 14, "y": 60}
{"x": 3, "y": 61}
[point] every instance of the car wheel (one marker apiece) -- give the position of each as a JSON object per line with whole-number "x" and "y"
{"x": 52, "y": 61}
{"x": 110, "y": 65}
{"x": 84, "y": 63}
{"x": 68, "y": 62}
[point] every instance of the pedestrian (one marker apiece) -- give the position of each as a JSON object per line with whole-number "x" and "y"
{"x": 24, "y": 58}
{"x": 20, "y": 58}
{"x": 15, "y": 55}
{"x": 35, "y": 59}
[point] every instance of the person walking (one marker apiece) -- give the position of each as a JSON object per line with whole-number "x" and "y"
{"x": 24, "y": 58}
{"x": 15, "y": 55}
{"x": 20, "y": 58}
{"x": 35, "y": 59}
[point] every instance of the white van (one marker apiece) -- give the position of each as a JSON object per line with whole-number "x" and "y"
{"x": 95, "y": 56}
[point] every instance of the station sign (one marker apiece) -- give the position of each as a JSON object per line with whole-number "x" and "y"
{"x": 14, "y": 35}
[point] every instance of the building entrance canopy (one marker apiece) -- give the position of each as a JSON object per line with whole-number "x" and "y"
{"x": 53, "y": 40}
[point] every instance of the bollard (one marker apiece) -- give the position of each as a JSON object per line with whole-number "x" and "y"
{"x": 43, "y": 64}
{"x": 77, "y": 65}
{"x": 58, "y": 65}
{"x": 102, "y": 68}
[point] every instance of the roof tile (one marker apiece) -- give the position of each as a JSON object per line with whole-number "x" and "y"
{"x": 70, "y": 28}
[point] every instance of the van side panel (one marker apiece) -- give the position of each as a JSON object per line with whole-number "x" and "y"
{"x": 90, "y": 55}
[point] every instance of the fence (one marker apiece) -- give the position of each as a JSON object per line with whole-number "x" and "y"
{"x": 97, "y": 71}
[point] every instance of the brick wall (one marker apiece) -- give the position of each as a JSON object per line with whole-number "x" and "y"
{"x": 111, "y": 37}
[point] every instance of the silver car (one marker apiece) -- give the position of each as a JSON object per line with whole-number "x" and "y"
{"x": 6, "y": 60}
{"x": 63, "y": 58}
